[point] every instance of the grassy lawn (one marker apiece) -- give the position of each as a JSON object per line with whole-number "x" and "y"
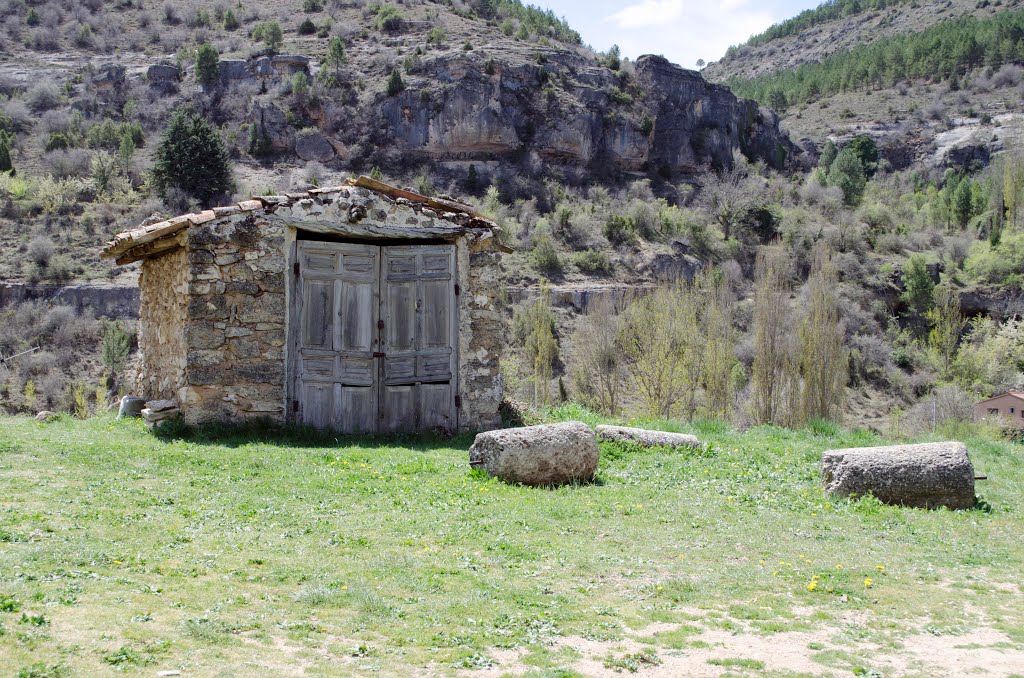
{"x": 249, "y": 554}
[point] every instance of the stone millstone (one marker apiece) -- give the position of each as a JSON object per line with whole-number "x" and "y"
{"x": 928, "y": 475}
{"x": 550, "y": 454}
{"x": 645, "y": 437}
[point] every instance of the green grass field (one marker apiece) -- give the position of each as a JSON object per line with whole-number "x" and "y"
{"x": 232, "y": 554}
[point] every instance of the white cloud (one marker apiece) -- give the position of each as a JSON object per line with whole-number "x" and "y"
{"x": 647, "y": 13}
{"x": 684, "y": 30}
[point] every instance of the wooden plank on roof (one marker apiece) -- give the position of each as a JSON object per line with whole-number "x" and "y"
{"x": 394, "y": 192}
{"x": 149, "y": 249}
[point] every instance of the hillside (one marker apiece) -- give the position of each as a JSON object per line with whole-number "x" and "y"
{"x": 837, "y": 27}
{"x": 934, "y": 83}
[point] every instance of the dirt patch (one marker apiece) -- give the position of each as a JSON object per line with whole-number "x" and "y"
{"x": 984, "y": 652}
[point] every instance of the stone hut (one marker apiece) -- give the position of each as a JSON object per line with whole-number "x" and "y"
{"x": 358, "y": 308}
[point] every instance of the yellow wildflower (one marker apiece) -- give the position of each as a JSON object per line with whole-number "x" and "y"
{"x": 813, "y": 585}
{"x": 867, "y": 582}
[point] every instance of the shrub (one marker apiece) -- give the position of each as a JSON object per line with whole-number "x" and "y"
{"x": 230, "y": 20}
{"x": 270, "y": 34}
{"x": 43, "y": 96}
{"x": 545, "y": 255}
{"x": 620, "y": 230}
{"x": 6, "y": 164}
{"x": 593, "y": 262}
{"x": 192, "y": 156}
{"x": 40, "y": 251}
{"x": 389, "y": 18}
{"x": 310, "y": 6}
{"x": 117, "y": 344}
{"x": 73, "y": 162}
{"x": 436, "y": 36}
{"x": 307, "y": 27}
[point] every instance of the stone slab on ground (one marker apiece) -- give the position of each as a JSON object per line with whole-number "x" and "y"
{"x": 549, "y": 454}
{"x": 646, "y": 437}
{"x": 131, "y": 406}
{"x": 927, "y": 475}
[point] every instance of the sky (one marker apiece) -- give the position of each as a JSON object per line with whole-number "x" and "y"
{"x": 681, "y": 30}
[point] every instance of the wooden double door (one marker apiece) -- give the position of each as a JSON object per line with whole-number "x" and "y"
{"x": 375, "y": 349}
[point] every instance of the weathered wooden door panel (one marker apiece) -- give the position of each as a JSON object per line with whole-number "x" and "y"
{"x": 417, "y": 283}
{"x": 377, "y": 337}
{"x": 337, "y": 383}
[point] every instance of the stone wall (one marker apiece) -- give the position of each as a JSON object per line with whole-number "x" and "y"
{"x": 236, "y": 320}
{"x": 163, "y": 295}
{"x": 482, "y": 332}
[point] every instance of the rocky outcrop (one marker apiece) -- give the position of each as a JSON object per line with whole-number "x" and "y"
{"x": 101, "y": 300}
{"x": 568, "y": 110}
{"x": 928, "y": 475}
{"x": 163, "y": 77}
{"x": 313, "y": 146}
{"x": 549, "y": 454}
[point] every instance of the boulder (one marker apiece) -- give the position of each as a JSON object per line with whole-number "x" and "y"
{"x": 645, "y": 437}
{"x": 108, "y": 76}
{"x": 163, "y": 73}
{"x": 549, "y": 454}
{"x": 46, "y": 415}
{"x": 313, "y": 146}
{"x": 131, "y": 406}
{"x": 927, "y": 475}
{"x": 232, "y": 69}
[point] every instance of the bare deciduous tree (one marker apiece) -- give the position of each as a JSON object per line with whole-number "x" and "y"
{"x": 823, "y": 359}
{"x": 727, "y": 196}
{"x": 772, "y": 329}
{"x": 600, "y": 364}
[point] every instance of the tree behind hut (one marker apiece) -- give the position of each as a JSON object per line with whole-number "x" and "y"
{"x": 823, "y": 359}
{"x": 772, "y": 329}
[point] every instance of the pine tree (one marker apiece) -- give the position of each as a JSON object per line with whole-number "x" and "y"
{"x": 847, "y": 173}
{"x": 828, "y": 156}
{"x": 395, "y": 83}
{"x": 6, "y": 164}
{"x": 918, "y": 284}
{"x": 207, "y": 64}
{"x": 192, "y": 157}
{"x": 962, "y": 203}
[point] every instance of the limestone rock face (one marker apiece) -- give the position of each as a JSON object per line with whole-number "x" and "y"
{"x": 314, "y": 146}
{"x": 645, "y": 437}
{"x": 928, "y": 475}
{"x": 549, "y": 454}
{"x": 674, "y": 119}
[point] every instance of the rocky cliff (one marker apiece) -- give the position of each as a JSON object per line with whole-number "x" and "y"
{"x": 501, "y": 105}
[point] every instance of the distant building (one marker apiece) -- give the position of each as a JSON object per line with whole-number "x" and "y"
{"x": 1009, "y": 406}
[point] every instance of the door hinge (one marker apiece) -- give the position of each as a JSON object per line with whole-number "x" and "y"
{"x": 295, "y": 269}
{"x": 458, "y": 402}
{"x": 295, "y": 406}
{"x": 380, "y": 325}
{"x": 458, "y": 290}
